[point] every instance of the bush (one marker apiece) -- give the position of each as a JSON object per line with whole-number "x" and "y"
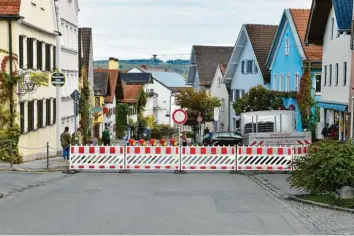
{"x": 328, "y": 166}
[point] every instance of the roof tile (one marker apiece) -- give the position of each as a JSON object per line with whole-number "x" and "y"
{"x": 301, "y": 18}
{"x": 207, "y": 59}
{"x": 10, "y": 7}
{"x": 261, "y": 37}
{"x": 131, "y": 93}
{"x": 113, "y": 80}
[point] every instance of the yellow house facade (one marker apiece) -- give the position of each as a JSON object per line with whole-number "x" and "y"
{"x": 34, "y": 38}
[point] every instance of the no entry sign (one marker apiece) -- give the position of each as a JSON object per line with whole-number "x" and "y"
{"x": 179, "y": 116}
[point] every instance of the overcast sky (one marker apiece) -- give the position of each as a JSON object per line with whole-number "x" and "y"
{"x": 130, "y": 29}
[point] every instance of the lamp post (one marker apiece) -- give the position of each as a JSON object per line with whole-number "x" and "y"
{"x": 169, "y": 113}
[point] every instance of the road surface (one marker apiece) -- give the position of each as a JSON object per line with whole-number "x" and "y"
{"x": 154, "y": 203}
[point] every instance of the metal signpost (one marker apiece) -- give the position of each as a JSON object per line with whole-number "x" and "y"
{"x": 216, "y": 117}
{"x": 179, "y": 117}
{"x": 200, "y": 120}
{"x": 58, "y": 80}
{"x": 76, "y": 97}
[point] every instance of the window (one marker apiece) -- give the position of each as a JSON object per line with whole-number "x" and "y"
{"x": 47, "y": 106}
{"x": 219, "y": 81}
{"x": 29, "y": 53}
{"x": 318, "y": 83}
{"x": 243, "y": 67}
{"x": 249, "y": 67}
{"x": 281, "y": 83}
{"x": 21, "y": 51}
{"x": 40, "y": 114}
{"x": 332, "y": 27}
{"x": 297, "y": 82}
{"x": 336, "y": 78}
{"x": 39, "y": 55}
{"x": 47, "y": 57}
{"x": 287, "y": 85}
{"x": 54, "y": 111}
{"x": 325, "y": 76}
{"x": 345, "y": 73}
{"x": 22, "y": 117}
{"x": 30, "y": 116}
{"x": 255, "y": 69}
{"x": 54, "y": 58}
{"x": 330, "y": 75}
{"x": 287, "y": 47}
{"x": 274, "y": 82}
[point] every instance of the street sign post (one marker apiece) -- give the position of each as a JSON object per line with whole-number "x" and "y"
{"x": 179, "y": 117}
{"x": 58, "y": 79}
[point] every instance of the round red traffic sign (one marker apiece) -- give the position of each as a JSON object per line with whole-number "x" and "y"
{"x": 179, "y": 116}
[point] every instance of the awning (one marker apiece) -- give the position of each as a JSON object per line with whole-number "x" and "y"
{"x": 333, "y": 106}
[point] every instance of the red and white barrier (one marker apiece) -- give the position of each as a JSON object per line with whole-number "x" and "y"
{"x": 154, "y": 158}
{"x": 264, "y": 158}
{"x": 97, "y": 158}
{"x": 251, "y": 158}
{"x": 208, "y": 158}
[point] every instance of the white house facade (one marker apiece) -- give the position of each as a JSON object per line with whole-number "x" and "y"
{"x": 246, "y": 67}
{"x": 219, "y": 90}
{"x": 35, "y": 44}
{"x": 68, "y": 13}
{"x": 336, "y": 61}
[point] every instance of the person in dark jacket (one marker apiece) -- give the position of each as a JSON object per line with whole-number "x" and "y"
{"x": 65, "y": 139}
{"x": 325, "y": 131}
{"x": 106, "y": 137}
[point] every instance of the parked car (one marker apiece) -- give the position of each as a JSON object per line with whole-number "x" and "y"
{"x": 226, "y": 139}
{"x": 207, "y": 139}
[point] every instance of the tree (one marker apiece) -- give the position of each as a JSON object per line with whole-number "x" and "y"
{"x": 197, "y": 103}
{"x": 259, "y": 98}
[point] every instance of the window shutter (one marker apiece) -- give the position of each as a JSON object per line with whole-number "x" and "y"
{"x": 47, "y": 57}
{"x": 30, "y": 116}
{"x": 39, "y": 55}
{"x": 54, "y": 58}
{"x": 255, "y": 67}
{"x": 29, "y": 53}
{"x": 40, "y": 114}
{"x": 22, "y": 117}
{"x": 243, "y": 67}
{"x": 54, "y": 111}
{"x": 21, "y": 51}
{"x": 237, "y": 94}
{"x": 48, "y": 112}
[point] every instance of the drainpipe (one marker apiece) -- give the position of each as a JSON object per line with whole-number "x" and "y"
{"x": 9, "y": 21}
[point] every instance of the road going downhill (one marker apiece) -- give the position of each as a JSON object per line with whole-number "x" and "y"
{"x": 149, "y": 203}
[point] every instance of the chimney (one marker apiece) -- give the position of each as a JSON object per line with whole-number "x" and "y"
{"x": 116, "y": 60}
{"x": 112, "y": 64}
{"x": 144, "y": 67}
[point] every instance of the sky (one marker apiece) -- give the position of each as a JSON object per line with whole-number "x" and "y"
{"x": 136, "y": 29}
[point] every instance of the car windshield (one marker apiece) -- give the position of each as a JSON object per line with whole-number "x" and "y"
{"x": 208, "y": 135}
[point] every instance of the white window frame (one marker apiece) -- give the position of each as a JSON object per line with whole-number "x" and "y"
{"x": 281, "y": 83}
{"x": 287, "y": 47}
{"x": 219, "y": 81}
{"x": 314, "y": 83}
{"x": 336, "y": 75}
{"x": 345, "y": 74}
{"x": 275, "y": 82}
{"x": 287, "y": 83}
{"x": 332, "y": 28}
{"x": 297, "y": 82}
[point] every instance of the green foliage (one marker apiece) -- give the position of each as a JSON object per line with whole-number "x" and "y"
{"x": 329, "y": 199}
{"x": 328, "y": 166}
{"x": 84, "y": 107}
{"x": 305, "y": 99}
{"x": 9, "y": 145}
{"x": 162, "y": 131}
{"x": 142, "y": 123}
{"x": 121, "y": 119}
{"x": 259, "y": 98}
{"x": 142, "y": 100}
{"x": 197, "y": 103}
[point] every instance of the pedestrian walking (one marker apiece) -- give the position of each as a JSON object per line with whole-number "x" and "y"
{"x": 106, "y": 137}
{"x": 325, "y": 131}
{"x": 65, "y": 139}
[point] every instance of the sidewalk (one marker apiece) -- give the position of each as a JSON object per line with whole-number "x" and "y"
{"x": 279, "y": 182}
{"x": 55, "y": 163}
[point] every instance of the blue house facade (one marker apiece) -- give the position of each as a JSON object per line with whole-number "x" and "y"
{"x": 289, "y": 57}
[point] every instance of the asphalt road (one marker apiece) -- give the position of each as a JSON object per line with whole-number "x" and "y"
{"x": 144, "y": 203}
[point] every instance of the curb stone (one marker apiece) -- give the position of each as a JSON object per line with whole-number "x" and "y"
{"x": 281, "y": 195}
{"x": 323, "y": 205}
{"x": 33, "y": 170}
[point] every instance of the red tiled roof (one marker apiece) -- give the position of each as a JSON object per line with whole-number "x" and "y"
{"x": 113, "y": 79}
{"x": 131, "y": 93}
{"x": 301, "y": 18}
{"x": 10, "y": 7}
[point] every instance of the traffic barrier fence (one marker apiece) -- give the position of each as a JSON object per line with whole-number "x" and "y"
{"x": 172, "y": 158}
